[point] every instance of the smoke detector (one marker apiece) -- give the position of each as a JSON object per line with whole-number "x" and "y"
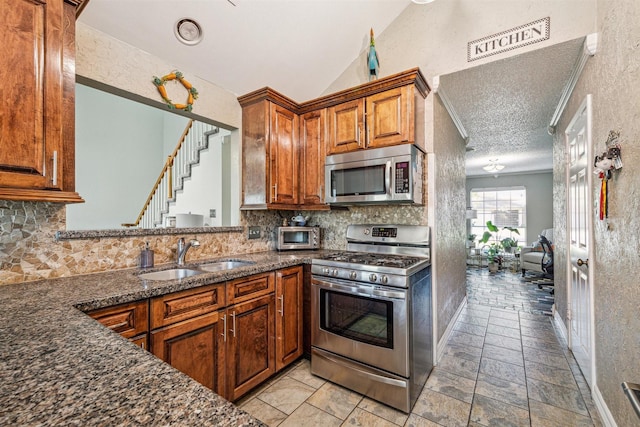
{"x": 188, "y": 31}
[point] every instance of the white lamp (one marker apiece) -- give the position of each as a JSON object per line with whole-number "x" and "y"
{"x": 471, "y": 214}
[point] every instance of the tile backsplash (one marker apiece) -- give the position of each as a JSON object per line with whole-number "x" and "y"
{"x": 29, "y": 250}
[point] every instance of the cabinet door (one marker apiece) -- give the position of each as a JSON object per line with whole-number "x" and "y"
{"x": 183, "y": 305}
{"x": 346, "y": 127}
{"x": 250, "y": 345}
{"x": 388, "y": 117}
{"x": 31, "y": 76}
{"x": 289, "y": 345}
{"x": 283, "y": 155}
{"x": 194, "y": 347}
{"x": 312, "y": 153}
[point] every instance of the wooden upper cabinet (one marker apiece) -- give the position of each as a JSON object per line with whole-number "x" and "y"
{"x": 37, "y": 81}
{"x": 283, "y": 156}
{"x": 346, "y": 127}
{"x": 389, "y": 118}
{"x": 312, "y": 154}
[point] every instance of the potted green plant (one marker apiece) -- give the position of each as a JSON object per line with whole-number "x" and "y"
{"x": 494, "y": 259}
{"x": 471, "y": 241}
{"x": 509, "y": 243}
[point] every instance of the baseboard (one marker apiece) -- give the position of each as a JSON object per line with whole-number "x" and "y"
{"x": 559, "y": 324}
{"x": 447, "y": 333}
{"x": 603, "y": 409}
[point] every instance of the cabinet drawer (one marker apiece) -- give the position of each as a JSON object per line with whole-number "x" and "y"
{"x": 128, "y": 320}
{"x": 250, "y": 287}
{"x": 178, "y": 306}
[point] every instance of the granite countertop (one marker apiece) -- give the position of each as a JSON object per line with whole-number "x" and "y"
{"x": 59, "y": 366}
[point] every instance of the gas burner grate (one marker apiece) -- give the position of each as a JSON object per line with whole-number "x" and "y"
{"x": 379, "y": 260}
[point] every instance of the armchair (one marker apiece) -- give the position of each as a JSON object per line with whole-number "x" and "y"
{"x": 539, "y": 258}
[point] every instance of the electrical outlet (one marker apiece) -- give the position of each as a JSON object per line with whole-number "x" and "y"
{"x": 212, "y": 213}
{"x": 254, "y": 232}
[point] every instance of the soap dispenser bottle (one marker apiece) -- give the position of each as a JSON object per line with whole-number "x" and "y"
{"x": 146, "y": 257}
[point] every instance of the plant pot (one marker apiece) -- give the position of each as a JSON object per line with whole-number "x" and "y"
{"x": 493, "y": 267}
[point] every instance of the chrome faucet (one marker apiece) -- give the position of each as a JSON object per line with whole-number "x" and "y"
{"x": 183, "y": 248}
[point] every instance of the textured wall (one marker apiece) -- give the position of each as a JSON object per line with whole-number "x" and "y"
{"x": 612, "y": 76}
{"x": 449, "y": 233}
{"x": 104, "y": 59}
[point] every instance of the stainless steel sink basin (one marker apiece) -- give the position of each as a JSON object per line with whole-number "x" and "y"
{"x": 224, "y": 265}
{"x": 172, "y": 274}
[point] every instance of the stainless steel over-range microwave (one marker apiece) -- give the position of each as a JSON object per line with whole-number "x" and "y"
{"x": 377, "y": 176}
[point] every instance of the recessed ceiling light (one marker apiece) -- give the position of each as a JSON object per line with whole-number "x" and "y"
{"x": 188, "y": 31}
{"x": 422, "y": 1}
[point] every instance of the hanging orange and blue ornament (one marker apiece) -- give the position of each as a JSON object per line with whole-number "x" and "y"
{"x": 372, "y": 58}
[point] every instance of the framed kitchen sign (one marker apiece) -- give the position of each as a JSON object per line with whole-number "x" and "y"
{"x": 524, "y": 35}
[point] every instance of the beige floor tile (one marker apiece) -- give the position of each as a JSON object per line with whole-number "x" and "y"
{"x": 503, "y": 354}
{"x": 505, "y": 314}
{"x": 462, "y": 367}
{"x": 543, "y": 415}
{"x": 507, "y": 323}
{"x": 463, "y": 338}
{"x": 550, "y": 374}
{"x": 503, "y": 370}
{"x": 309, "y": 416}
{"x": 302, "y": 373}
{"x": 442, "y": 409}
{"x": 383, "y": 411}
{"x": 545, "y": 358}
{"x": 452, "y": 385}
{"x": 504, "y": 391}
{"x": 490, "y": 412}
{"x": 286, "y": 394}
{"x": 503, "y": 331}
{"x": 361, "y": 418}
{"x": 417, "y": 421}
{"x": 470, "y": 329}
{"x": 555, "y": 395}
{"x": 503, "y": 341}
{"x": 335, "y": 400}
{"x": 264, "y": 412}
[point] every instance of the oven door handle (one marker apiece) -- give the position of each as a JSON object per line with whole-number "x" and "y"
{"x": 388, "y": 294}
{"x": 340, "y": 287}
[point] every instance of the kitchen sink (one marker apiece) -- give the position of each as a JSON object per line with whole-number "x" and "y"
{"x": 224, "y": 265}
{"x": 172, "y": 274}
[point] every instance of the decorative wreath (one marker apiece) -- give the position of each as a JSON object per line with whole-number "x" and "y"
{"x": 176, "y": 75}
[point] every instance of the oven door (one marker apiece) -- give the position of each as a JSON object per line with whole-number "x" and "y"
{"x": 365, "y": 323}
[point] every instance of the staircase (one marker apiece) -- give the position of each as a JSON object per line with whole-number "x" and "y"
{"x": 176, "y": 170}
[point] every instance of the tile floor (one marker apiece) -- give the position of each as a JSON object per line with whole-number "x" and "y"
{"x": 501, "y": 367}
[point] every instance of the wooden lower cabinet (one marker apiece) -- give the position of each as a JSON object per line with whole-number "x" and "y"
{"x": 195, "y": 347}
{"x": 250, "y": 345}
{"x": 289, "y": 306}
{"x": 131, "y": 320}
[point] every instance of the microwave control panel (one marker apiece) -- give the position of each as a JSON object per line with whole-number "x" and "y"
{"x": 402, "y": 178}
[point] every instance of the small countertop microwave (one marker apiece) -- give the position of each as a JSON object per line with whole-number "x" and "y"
{"x": 376, "y": 176}
{"x": 297, "y": 238}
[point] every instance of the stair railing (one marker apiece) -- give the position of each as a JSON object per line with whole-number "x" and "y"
{"x": 177, "y": 168}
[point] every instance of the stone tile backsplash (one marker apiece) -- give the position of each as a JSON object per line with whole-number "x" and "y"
{"x": 29, "y": 250}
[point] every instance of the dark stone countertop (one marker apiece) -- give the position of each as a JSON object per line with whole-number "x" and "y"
{"x": 60, "y": 367}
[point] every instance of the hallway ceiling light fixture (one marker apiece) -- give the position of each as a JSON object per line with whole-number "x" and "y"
{"x": 493, "y": 166}
{"x": 422, "y": 1}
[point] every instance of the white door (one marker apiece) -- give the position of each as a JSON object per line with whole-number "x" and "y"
{"x": 580, "y": 231}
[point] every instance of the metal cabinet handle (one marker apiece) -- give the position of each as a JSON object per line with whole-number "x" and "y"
{"x": 233, "y": 322}
{"x": 142, "y": 345}
{"x": 118, "y": 325}
{"x": 54, "y": 179}
{"x": 224, "y": 328}
{"x": 581, "y": 262}
{"x": 281, "y": 311}
{"x": 275, "y": 192}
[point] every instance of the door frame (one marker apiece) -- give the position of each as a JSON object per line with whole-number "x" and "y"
{"x": 586, "y": 104}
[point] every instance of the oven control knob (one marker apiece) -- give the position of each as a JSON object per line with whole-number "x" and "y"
{"x": 373, "y": 277}
{"x": 384, "y": 279}
{"x": 325, "y": 271}
{"x": 334, "y": 272}
{"x": 353, "y": 275}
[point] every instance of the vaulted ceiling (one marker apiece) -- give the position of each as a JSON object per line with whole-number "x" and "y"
{"x": 299, "y": 47}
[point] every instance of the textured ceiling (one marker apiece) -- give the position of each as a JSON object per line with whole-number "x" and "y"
{"x": 506, "y": 107}
{"x": 296, "y": 47}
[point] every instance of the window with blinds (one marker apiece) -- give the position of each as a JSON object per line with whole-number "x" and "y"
{"x": 504, "y": 207}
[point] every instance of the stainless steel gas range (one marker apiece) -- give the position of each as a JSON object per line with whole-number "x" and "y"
{"x": 371, "y": 317}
